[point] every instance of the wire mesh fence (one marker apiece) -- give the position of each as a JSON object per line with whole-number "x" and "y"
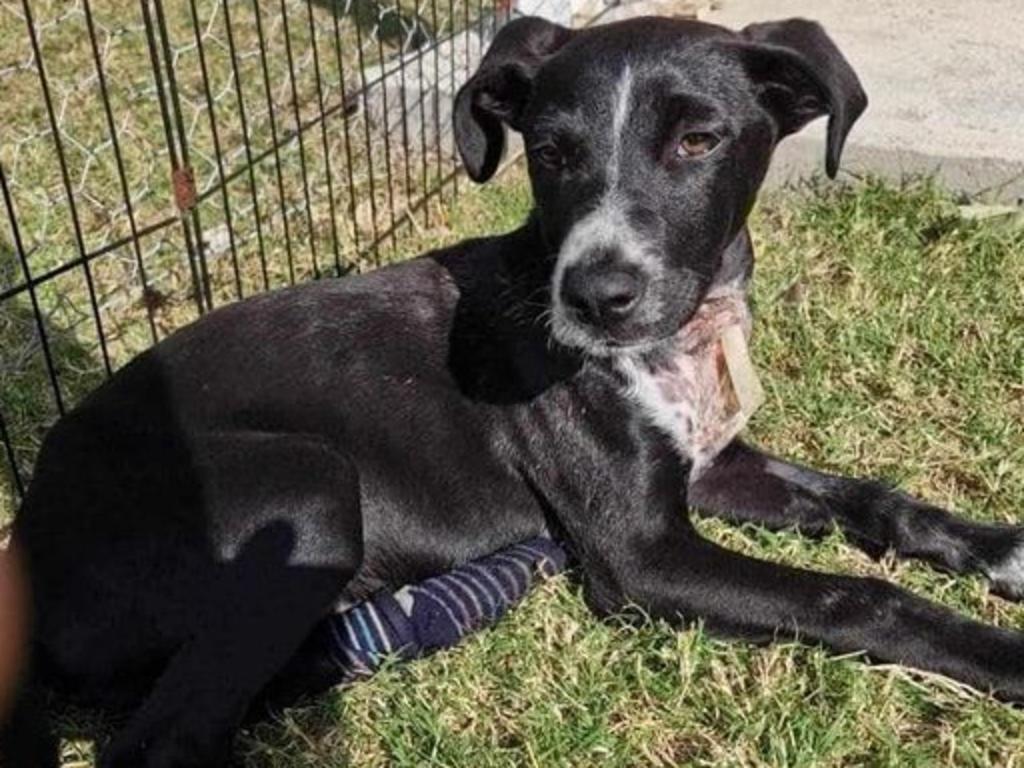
{"x": 159, "y": 158}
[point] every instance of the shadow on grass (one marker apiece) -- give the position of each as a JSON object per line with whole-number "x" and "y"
{"x": 28, "y": 399}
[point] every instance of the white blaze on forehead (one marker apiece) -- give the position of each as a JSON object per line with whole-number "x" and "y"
{"x": 607, "y": 225}
{"x": 620, "y": 113}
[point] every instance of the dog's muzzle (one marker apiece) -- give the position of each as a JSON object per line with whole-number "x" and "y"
{"x": 603, "y": 295}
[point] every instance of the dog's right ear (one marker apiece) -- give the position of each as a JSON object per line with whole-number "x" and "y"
{"x": 497, "y": 94}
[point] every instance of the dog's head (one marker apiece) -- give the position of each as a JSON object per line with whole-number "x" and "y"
{"x": 646, "y": 141}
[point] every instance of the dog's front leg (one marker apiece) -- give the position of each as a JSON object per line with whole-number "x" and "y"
{"x": 655, "y": 561}
{"x": 747, "y": 485}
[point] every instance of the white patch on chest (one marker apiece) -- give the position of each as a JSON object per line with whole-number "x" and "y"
{"x": 688, "y": 393}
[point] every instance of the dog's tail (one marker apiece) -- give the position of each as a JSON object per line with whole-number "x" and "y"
{"x": 27, "y": 739}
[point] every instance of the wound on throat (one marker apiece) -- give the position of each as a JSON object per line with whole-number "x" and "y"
{"x": 703, "y": 388}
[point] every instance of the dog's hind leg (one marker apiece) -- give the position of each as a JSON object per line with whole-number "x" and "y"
{"x": 747, "y": 485}
{"x": 283, "y": 520}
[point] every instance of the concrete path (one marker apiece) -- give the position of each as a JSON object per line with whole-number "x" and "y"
{"x": 945, "y": 79}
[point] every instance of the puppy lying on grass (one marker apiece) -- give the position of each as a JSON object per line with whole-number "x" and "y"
{"x": 198, "y": 519}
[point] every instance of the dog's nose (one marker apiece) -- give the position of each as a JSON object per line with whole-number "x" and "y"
{"x": 602, "y": 295}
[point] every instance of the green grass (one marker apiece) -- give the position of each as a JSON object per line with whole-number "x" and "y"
{"x": 890, "y": 338}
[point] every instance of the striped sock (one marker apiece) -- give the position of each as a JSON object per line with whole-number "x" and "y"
{"x": 437, "y": 613}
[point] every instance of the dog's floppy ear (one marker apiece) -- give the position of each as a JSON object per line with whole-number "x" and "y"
{"x": 802, "y": 75}
{"x": 496, "y": 95}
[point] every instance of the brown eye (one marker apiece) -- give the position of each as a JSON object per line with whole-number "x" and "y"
{"x": 696, "y": 144}
{"x": 549, "y": 155}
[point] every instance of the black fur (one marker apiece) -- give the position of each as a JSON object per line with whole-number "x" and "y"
{"x": 196, "y": 516}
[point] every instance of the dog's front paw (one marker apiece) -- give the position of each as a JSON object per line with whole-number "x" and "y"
{"x": 1007, "y": 575}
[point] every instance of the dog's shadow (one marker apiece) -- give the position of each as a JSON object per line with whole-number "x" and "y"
{"x": 79, "y": 734}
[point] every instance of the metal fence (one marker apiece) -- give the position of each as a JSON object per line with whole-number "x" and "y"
{"x": 161, "y": 157}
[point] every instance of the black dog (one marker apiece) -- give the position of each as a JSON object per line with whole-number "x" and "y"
{"x": 192, "y": 522}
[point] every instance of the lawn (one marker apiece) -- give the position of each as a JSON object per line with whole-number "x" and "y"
{"x": 890, "y": 338}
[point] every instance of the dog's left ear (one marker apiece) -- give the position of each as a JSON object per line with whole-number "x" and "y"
{"x": 802, "y": 75}
{"x": 496, "y": 95}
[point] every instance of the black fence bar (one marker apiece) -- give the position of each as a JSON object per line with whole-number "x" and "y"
{"x": 119, "y": 161}
{"x": 437, "y": 93}
{"x": 217, "y": 152}
{"x": 318, "y": 80}
{"x": 274, "y": 145}
{"x": 179, "y": 123}
{"x": 402, "y": 85}
{"x": 12, "y": 459}
{"x": 250, "y": 163}
{"x": 37, "y": 313}
{"x": 480, "y": 22}
{"x": 387, "y": 147}
{"x": 368, "y": 145}
{"x": 58, "y": 144}
{"x": 451, "y": 83}
{"x": 422, "y": 52}
{"x": 392, "y": 180}
{"x": 302, "y": 146}
{"x": 467, "y": 26}
{"x": 172, "y": 151}
{"x": 346, "y": 133}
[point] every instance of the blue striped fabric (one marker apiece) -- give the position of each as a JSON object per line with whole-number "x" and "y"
{"x": 434, "y": 614}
